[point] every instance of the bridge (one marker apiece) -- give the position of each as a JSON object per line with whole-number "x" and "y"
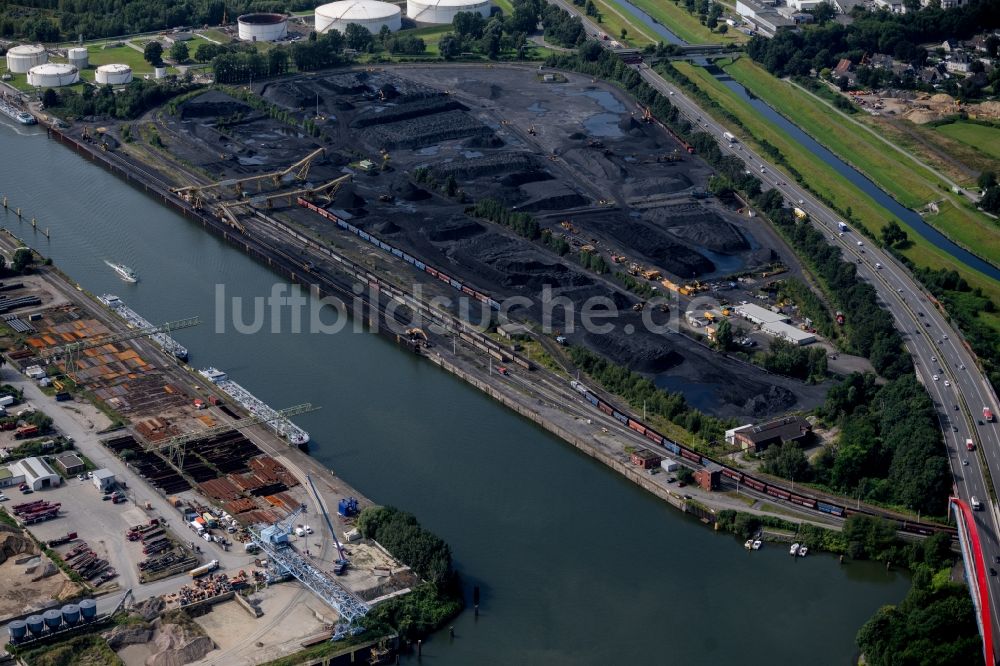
{"x": 975, "y": 573}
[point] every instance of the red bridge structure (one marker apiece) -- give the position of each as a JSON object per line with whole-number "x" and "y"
{"x": 975, "y": 573}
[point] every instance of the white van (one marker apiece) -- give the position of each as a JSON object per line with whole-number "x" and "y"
{"x": 976, "y": 506}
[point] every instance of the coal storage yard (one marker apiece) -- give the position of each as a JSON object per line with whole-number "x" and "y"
{"x": 570, "y": 150}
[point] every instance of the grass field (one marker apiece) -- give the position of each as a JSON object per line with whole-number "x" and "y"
{"x": 613, "y": 19}
{"x": 908, "y": 183}
{"x": 959, "y": 161}
{"x": 980, "y": 137}
{"x": 686, "y": 26}
{"x": 824, "y": 180}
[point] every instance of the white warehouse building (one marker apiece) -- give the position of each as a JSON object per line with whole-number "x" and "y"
{"x": 115, "y": 75}
{"x": 35, "y": 472}
{"x": 369, "y": 14}
{"x": 20, "y": 59}
{"x": 53, "y": 75}
{"x": 442, "y": 12}
{"x": 779, "y": 329}
{"x": 758, "y": 315}
{"x": 262, "y": 27}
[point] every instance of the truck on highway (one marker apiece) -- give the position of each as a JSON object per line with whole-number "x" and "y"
{"x": 208, "y": 567}
{"x": 729, "y": 137}
{"x": 988, "y": 414}
{"x": 842, "y": 226}
{"x": 970, "y": 445}
{"x": 799, "y": 213}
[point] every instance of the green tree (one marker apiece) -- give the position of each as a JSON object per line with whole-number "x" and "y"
{"x": 787, "y": 461}
{"x": 724, "y": 335}
{"x": 50, "y": 98}
{"x": 449, "y": 46}
{"x": 153, "y": 53}
{"x": 358, "y": 37}
{"x": 179, "y": 52}
{"x": 893, "y": 235}
{"x": 21, "y": 260}
{"x": 685, "y": 475}
{"x": 987, "y": 179}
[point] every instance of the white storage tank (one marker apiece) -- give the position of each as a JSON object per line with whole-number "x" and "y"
{"x": 262, "y": 27}
{"x": 442, "y": 12}
{"x": 20, "y": 59}
{"x": 78, "y": 57}
{"x": 370, "y": 14}
{"x": 53, "y": 75}
{"x": 160, "y": 72}
{"x": 115, "y": 75}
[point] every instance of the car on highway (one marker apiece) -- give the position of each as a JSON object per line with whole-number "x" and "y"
{"x": 936, "y": 378}
{"x": 934, "y": 358}
{"x": 956, "y": 408}
{"x": 860, "y": 243}
{"x": 965, "y": 462}
{"x": 979, "y": 421}
{"x": 947, "y": 383}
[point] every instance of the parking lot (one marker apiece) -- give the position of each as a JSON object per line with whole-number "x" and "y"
{"x": 101, "y": 524}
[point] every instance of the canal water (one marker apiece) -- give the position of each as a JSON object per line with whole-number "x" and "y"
{"x": 856, "y": 178}
{"x": 576, "y": 565}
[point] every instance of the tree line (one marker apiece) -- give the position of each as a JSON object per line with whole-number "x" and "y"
{"x": 132, "y": 101}
{"x": 640, "y": 392}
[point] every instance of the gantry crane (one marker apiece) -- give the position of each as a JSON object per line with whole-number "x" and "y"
{"x": 340, "y": 566}
{"x": 228, "y": 211}
{"x": 71, "y": 352}
{"x": 300, "y": 171}
{"x": 175, "y": 447}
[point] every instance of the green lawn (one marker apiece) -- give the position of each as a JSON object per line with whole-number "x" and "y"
{"x": 677, "y": 20}
{"x": 909, "y": 183}
{"x": 824, "y": 180}
{"x": 613, "y": 19}
{"x": 981, "y": 137}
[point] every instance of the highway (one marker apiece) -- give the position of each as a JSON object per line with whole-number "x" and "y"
{"x": 942, "y": 362}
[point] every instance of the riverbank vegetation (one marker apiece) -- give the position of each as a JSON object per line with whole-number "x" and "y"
{"x": 432, "y": 603}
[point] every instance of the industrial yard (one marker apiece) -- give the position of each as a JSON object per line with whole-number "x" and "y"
{"x": 155, "y": 508}
{"x": 575, "y": 154}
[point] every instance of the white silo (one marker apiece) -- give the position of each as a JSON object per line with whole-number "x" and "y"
{"x": 160, "y": 72}
{"x": 22, "y": 58}
{"x": 115, "y": 75}
{"x": 442, "y": 12}
{"x": 262, "y": 27}
{"x": 370, "y": 14}
{"x": 78, "y": 57}
{"x": 53, "y": 75}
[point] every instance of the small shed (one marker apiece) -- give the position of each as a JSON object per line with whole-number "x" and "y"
{"x": 645, "y": 459}
{"x": 709, "y": 477}
{"x": 104, "y": 480}
{"x": 513, "y": 331}
{"x": 71, "y": 463}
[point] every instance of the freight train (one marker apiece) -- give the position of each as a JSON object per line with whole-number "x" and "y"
{"x": 769, "y": 488}
{"x": 413, "y": 261}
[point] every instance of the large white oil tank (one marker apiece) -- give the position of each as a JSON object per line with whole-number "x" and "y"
{"x": 53, "y": 75}
{"x": 262, "y": 27}
{"x": 78, "y": 57}
{"x": 370, "y": 14}
{"x": 22, "y": 58}
{"x": 115, "y": 75}
{"x": 441, "y": 12}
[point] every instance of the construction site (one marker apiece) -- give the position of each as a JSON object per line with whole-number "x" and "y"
{"x": 399, "y": 158}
